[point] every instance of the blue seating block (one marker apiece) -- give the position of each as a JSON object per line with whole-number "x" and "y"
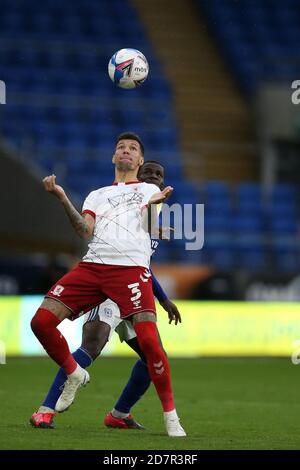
{"x": 258, "y": 42}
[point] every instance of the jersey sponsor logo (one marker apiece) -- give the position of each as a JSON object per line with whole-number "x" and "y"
{"x": 137, "y": 294}
{"x": 57, "y": 290}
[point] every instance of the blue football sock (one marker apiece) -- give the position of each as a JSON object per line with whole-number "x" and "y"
{"x": 137, "y": 385}
{"x": 83, "y": 358}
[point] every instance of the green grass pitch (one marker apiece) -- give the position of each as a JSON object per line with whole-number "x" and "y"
{"x": 223, "y": 404}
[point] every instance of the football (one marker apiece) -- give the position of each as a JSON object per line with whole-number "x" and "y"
{"x": 128, "y": 68}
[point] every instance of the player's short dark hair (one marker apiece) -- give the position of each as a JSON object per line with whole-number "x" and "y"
{"x": 131, "y": 136}
{"x": 153, "y": 161}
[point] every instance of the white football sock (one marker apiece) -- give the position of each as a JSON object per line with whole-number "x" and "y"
{"x": 119, "y": 414}
{"x": 45, "y": 409}
{"x": 170, "y": 414}
{"x": 76, "y": 372}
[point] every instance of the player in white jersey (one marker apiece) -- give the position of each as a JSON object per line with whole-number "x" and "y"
{"x": 98, "y": 327}
{"x": 116, "y": 267}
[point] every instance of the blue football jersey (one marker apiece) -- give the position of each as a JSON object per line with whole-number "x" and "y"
{"x": 154, "y": 246}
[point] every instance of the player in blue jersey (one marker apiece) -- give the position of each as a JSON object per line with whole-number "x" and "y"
{"x": 99, "y": 325}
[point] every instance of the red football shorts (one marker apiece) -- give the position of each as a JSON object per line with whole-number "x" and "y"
{"x": 89, "y": 284}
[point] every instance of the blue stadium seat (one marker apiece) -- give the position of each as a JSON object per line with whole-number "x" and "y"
{"x": 254, "y": 39}
{"x": 249, "y": 191}
{"x": 184, "y": 193}
{"x": 216, "y": 198}
{"x": 217, "y": 251}
{"x": 215, "y": 190}
{"x": 173, "y": 173}
{"x": 217, "y": 223}
{"x": 83, "y": 110}
{"x": 285, "y": 251}
{"x": 282, "y": 209}
{"x": 246, "y": 223}
{"x": 284, "y": 193}
{"x": 218, "y": 207}
{"x": 286, "y": 225}
{"x": 251, "y": 251}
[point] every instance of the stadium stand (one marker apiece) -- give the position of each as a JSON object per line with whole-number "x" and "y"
{"x": 258, "y": 39}
{"x": 62, "y": 102}
{"x": 64, "y": 113}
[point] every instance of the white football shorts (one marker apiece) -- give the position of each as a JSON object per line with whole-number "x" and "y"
{"x": 109, "y": 313}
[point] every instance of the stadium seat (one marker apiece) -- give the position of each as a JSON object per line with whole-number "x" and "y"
{"x": 245, "y": 224}
{"x": 254, "y": 39}
{"x": 283, "y": 193}
{"x": 287, "y": 225}
{"x": 215, "y": 190}
{"x": 249, "y": 194}
{"x": 84, "y": 109}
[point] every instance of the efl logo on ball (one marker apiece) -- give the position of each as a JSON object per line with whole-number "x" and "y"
{"x": 128, "y": 68}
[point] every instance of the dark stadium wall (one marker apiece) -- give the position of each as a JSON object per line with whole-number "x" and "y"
{"x": 31, "y": 220}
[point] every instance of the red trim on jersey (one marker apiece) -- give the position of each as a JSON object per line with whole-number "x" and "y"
{"x": 89, "y": 212}
{"x": 127, "y": 182}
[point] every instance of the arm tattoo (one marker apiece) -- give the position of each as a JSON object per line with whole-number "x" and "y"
{"x": 76, "y": 219}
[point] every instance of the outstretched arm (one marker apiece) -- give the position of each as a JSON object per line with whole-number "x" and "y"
{"x": 83, "y": 225}
{"x": 150, "y": 214}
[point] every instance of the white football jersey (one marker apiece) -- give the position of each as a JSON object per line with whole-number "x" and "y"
{"x": 120, "y": 237}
